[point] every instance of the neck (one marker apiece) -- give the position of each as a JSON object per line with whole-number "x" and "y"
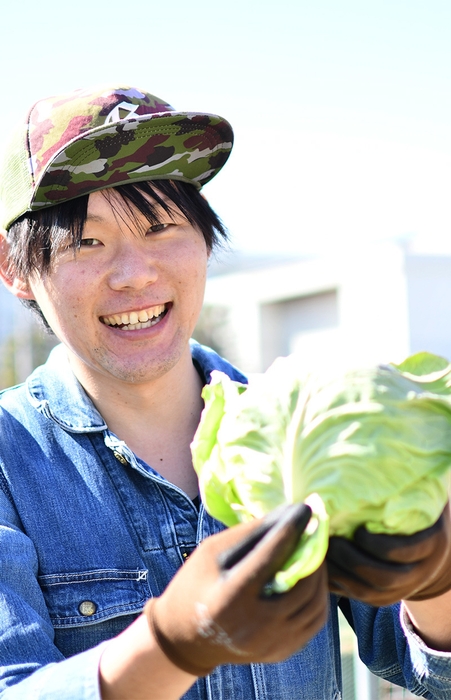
{"x": 157, "y": 419}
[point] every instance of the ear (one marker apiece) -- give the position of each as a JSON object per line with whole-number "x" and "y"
{"x": 14, "y": 284}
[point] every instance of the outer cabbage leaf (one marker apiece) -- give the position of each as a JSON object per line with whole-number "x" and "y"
{"x": 374, "y": 445}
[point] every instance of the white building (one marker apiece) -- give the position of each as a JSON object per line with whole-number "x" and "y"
{"x": 378, "y": 304}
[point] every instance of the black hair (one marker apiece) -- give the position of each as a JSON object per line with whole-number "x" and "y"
{"x": 35, "y": 237}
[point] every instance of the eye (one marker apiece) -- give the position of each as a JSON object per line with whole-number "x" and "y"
{"x": 156, "y": 228}
{"x": 90, "y": 242}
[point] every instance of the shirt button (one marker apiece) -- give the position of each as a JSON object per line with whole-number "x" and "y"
{"x": 87, "y": 608}
{"x": 120, "y": 457}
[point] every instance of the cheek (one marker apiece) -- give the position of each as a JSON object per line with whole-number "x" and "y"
{"x": 191, "y": 267}
{"x": 193, "y": 281}
{"x": 60, "y": 299}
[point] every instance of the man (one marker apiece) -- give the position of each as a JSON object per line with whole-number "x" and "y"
{"x": 107, "y": 238}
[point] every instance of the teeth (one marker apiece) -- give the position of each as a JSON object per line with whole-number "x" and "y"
{"x": 135, "y": 319}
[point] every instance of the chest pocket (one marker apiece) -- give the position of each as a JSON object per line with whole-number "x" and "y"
{"x": 89, "y": 597}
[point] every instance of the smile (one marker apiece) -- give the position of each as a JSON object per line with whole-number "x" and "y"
{"x": 135, "y": 320}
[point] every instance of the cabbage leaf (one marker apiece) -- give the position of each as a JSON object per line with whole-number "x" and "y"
{"x": 368, "y": 447}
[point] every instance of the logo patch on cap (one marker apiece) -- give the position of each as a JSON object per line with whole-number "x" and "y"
{"x": 115, "y": 114}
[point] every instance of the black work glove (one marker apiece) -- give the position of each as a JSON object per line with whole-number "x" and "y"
{"x": 216, "y": 609}
{"x": 383, "y": 569}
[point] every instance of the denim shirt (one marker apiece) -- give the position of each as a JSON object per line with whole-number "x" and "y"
{"x": 88, "y": 532}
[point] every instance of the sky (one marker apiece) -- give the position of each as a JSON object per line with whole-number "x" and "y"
{"x": 341, "y": 108}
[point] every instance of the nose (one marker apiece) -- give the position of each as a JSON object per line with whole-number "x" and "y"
{"x": 133, "y": 267}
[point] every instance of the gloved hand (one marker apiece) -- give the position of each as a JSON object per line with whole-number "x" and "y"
{"x": 383, "y": 569}
{"x": 215, "y": 610}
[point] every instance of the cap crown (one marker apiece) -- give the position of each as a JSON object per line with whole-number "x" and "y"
{"x": 86, "y": 140}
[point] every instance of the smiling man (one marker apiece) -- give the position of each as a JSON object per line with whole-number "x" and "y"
{"x": 106, "y": 237}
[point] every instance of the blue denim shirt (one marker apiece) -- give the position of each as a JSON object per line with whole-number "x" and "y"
{"x": 88, "y": 532}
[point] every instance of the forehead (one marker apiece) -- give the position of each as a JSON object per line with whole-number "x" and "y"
{"x": 108, "y": 205}
{"x": 110, "y": 199}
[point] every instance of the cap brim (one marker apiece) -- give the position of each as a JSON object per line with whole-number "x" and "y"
{"x": 183, "y": 146}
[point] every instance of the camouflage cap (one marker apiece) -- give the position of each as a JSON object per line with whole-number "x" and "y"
{"x": 79, "y": 142}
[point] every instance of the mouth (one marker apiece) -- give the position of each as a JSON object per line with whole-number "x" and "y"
{"x": 135, "y": 320}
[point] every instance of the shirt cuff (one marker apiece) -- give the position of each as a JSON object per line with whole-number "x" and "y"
{"x": 75, "y": 678}
{"x": 432, "y": 667}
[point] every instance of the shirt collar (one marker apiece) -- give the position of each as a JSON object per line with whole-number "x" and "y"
{"x": 55, "y": 392}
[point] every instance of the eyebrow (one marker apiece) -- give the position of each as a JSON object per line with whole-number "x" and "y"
{"x": 94, "y": 217}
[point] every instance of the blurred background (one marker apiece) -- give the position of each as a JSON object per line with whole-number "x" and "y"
{"x": 336, "y": 195}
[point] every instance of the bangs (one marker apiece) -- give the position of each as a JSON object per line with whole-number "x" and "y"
{"x": 35, "y": 238}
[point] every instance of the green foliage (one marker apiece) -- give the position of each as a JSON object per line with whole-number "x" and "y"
{"x": 211, "y": 329}
{"x": 21, "y": 352}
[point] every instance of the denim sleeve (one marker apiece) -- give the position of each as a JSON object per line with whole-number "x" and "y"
{"x": 391, "y": 649}
{"x": 432, "y": 667}
{"x": 31, "y": 666}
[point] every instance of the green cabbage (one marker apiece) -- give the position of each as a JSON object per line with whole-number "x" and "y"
{"x": 368, "y": 447}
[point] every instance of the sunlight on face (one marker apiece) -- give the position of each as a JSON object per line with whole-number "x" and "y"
{"x": 126, "y": 303}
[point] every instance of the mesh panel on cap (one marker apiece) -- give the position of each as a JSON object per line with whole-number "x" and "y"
{"x": 16, "y": 185}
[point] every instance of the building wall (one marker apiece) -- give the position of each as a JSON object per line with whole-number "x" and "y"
{"x": 429, "y": 295}
{"x": 374, "y": 305}
{"x": 301, "y": 324}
